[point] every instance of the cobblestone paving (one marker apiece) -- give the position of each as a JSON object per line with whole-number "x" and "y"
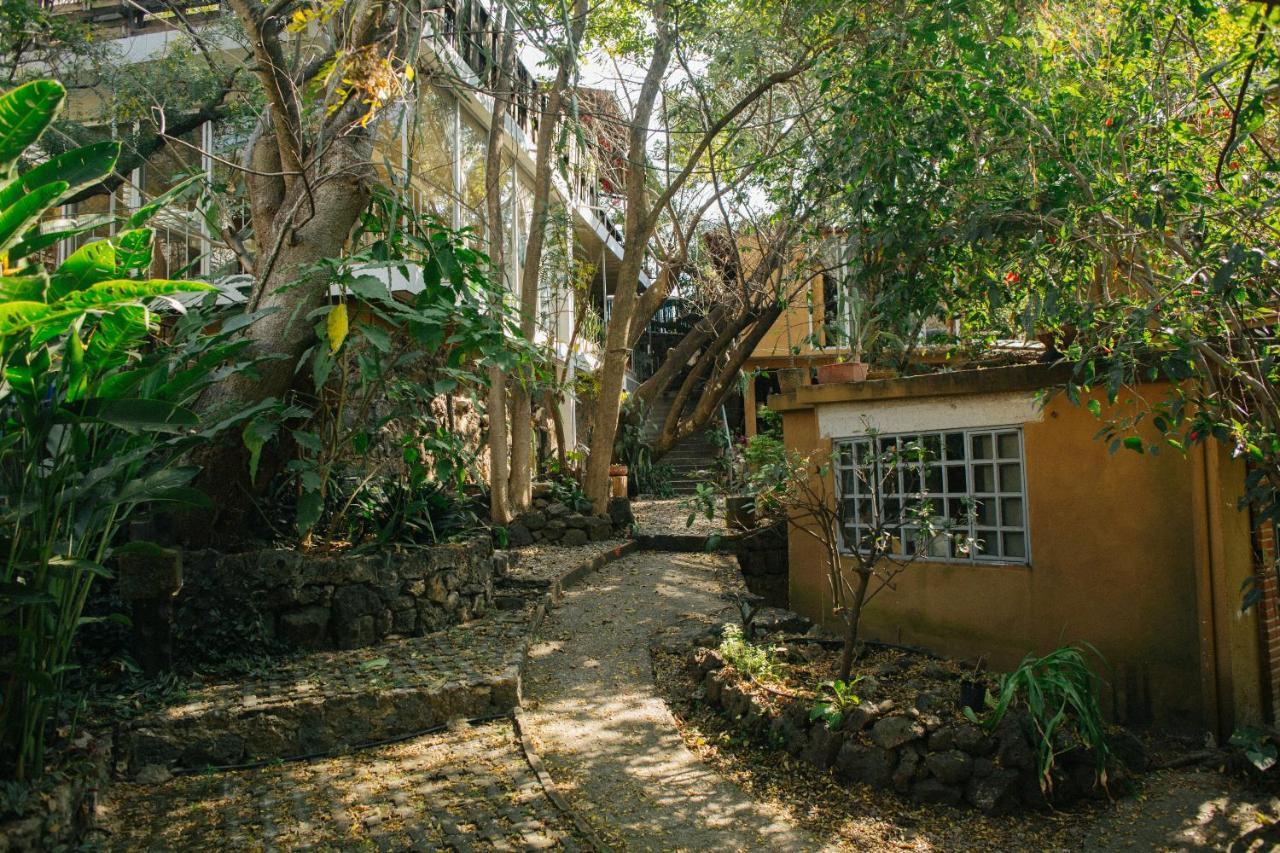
{"x": 314, "y": 703}
{"x": 607, "y": 738}
{"x": 464, "y": 789}
{"x": 473, "y": 651}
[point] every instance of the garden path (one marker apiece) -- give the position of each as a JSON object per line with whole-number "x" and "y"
{"x": 606, "y": 736}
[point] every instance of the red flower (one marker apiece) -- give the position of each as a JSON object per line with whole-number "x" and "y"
{"x": 1052, "y": 239}
{"x": 1235, "y": 164}
{"x": 1195, "y": 435}
{"x": 1012, "y": 277}
{"x": 1197, "y": 292}
{"x": 1108, "y": 121}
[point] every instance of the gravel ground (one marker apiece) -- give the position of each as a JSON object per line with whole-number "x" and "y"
{"x": 548, "y": 562}
{"x": 469, "y": 788}
{"x": 607, "y": 738}
{"x": 669, "y": 516}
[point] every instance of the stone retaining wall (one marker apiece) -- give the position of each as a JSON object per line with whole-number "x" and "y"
{"x": 928, "y": 753}
{"x": 557, "y": 523}
{"x": 287, "y": 598}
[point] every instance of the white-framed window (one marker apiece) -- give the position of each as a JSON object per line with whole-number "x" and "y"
{"x": 972, "y": 480}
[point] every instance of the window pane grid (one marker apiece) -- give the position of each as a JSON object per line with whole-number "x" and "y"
{"x": 971, "y": 481}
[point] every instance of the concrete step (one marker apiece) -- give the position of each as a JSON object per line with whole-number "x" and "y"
{"x": 319, "y": 702}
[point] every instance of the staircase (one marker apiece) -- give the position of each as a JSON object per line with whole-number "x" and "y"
{"x": 689, "y": 456}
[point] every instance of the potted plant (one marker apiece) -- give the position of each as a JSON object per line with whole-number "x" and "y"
{"x": 861, "y": 331}
{"x": 791, "y": 378}
{"x": 973, "y": 690}
{"x": 739, "y": 502}
{"x": 753, "y": 474}
{"x": 618, "y": 480}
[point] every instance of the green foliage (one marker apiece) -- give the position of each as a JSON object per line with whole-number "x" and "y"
{"x": 379, "y": 366}
{"x": 747, "y": 657}
{"x": 656, "y": 480}
{"x": 412, "y": 509}
{"x": 93, "y": 422}
{"x": 837, "y": 699}
{"x": 1076, "y": 170}
{"x": 1258, "y": 745}
{"x": 1060, "y": 695}
{"x": 567, "y": 490}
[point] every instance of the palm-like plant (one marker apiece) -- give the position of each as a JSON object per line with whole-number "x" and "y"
{"x": 89, "y": 426}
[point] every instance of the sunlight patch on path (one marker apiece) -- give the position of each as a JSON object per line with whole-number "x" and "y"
{"x": 609, "y": 740}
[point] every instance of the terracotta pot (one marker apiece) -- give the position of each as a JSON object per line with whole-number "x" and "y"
{"x": 845, "y": 371}
{"x": 618, "y": 485}
{"x": 740, "y": 512}
{"x": 791, "y": 378}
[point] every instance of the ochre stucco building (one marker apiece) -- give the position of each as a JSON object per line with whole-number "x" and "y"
{"x": 1143, "y": 556}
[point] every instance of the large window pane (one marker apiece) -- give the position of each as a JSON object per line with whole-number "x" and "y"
{"x": 432, "y": 152}
{"x": 472, "y": 154}
{"x": 973, "y": 491}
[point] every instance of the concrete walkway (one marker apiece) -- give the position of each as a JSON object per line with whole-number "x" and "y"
{"x": 605, "y": 735}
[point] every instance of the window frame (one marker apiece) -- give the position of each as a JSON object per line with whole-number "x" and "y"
{"x": 977, "y": 558}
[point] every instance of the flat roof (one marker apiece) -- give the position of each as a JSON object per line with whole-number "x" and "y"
{"x": 1018, "y": 377}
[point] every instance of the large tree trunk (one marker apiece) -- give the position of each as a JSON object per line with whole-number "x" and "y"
{"x": 307, "y": 227}
{"x": 716, "y": 389}
{"x": 637, "y": 229}
{"x": 522, "y": 391}
{"x": 678, "y": 357}
{"x": 501, "y": 452}
{"x": 301, "y": 230}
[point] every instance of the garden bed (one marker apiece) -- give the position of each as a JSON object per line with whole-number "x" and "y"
{"x": 1184, "y": 806}
{"x": 905, "y": 732}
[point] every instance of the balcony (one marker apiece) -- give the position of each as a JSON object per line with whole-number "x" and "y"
{"x": 114, "y": 19}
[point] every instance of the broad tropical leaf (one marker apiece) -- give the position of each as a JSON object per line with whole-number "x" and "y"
{"x": 116, "y": 291}
{"x": 115, "y": 331}
{"x": 88, "y": 265}
{"x": 19, "y": 316}
{"x": 141, "y": 414}
{"x": 79, "y": 168}
{"x": 133, "y": 250}
{"x": 39, "y": 239}
{"x": 25, "y": 112}
{"x": 15, "y": 220}
{"x": 143, "y": 214}
{"x": 24, "y": 288}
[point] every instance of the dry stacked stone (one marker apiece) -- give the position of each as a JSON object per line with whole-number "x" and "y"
{"x": 287, "y": 599}
{"x": 555, "y": 522}
{"x": 927, "y": 752}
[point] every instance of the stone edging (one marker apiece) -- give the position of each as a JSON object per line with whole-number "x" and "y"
{"x": 549, "y": 786}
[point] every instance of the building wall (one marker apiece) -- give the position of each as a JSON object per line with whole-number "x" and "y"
{"x": 1269, "y": 611}
{"x": 1118, "y": 545}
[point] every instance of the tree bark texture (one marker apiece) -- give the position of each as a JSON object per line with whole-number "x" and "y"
{"x": 501, "y": 457}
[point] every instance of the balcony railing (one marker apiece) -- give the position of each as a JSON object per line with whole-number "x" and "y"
{"x": 112, "y": 17}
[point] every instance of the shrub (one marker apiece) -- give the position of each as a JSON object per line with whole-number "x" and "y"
{"x": 92, "y": 425}
{"x": 747, "y": 657}
{"x": 1060, "y": 694}
{"x": 836, "y": 699}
